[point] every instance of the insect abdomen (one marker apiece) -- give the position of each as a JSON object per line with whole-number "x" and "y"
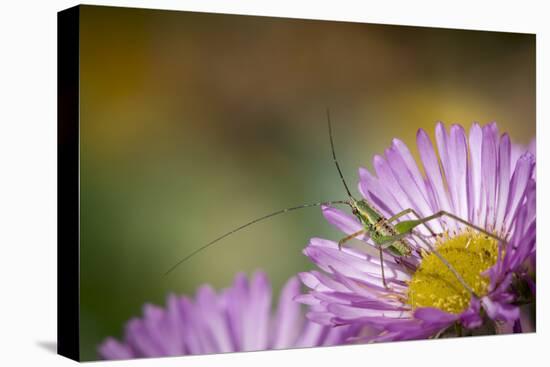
{"x": 400, "y": 248}
{"x": 379, "y": 233}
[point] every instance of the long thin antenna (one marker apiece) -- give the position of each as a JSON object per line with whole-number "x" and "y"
{"x": 334, "y": 155}
{"x": 249, "y": 224}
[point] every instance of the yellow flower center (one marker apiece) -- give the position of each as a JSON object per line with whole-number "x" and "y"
{"x": 434, "y": 285}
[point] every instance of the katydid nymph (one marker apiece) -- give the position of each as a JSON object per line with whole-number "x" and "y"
{"x": 385, "y": 235}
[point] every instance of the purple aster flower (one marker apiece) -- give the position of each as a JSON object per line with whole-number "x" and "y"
{"x": 236, "y": 319}
{"x": 473, "y": 176}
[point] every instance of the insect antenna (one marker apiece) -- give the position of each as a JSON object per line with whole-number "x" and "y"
{"x": 334, "y": 156}
{"x": 211, "y": 243}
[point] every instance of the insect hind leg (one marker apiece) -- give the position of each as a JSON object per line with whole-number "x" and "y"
{"x": 443, "y": 213}
{"x": 448, "y": 265}
{"x": 387, "y": 241}
{"x": 440, "y": 214}
{"x": 415, "y": 214}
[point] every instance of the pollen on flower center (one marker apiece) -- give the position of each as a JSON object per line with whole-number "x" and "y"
{"x": 434, "y": 285}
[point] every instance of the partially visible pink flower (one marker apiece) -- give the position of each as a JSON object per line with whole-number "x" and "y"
{"x": 518, "y": 150}
{"x": 236, "y": 319}
{"x": 475, "y": 177}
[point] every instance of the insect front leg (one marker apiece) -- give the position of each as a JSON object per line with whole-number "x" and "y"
{"x": 382, "y": 244}
{"x": 350, "y": 237}
{"x": 382, "y": 267}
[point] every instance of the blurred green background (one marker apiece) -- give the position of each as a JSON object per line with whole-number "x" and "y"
{"x": 192, "y": 124}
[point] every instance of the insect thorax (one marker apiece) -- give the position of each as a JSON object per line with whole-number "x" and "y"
{"x": 367, "y": 213}
{"x": 375, "y": 223}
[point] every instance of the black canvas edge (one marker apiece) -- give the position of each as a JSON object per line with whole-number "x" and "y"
{"x": 68, "y": 182}
{"x": 302, "y": 18}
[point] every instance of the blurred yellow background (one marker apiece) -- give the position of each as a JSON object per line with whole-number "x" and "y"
{"x": 193, "y": 124}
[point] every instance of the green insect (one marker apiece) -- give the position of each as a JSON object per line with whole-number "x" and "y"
{"x": 385, "y": 235}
